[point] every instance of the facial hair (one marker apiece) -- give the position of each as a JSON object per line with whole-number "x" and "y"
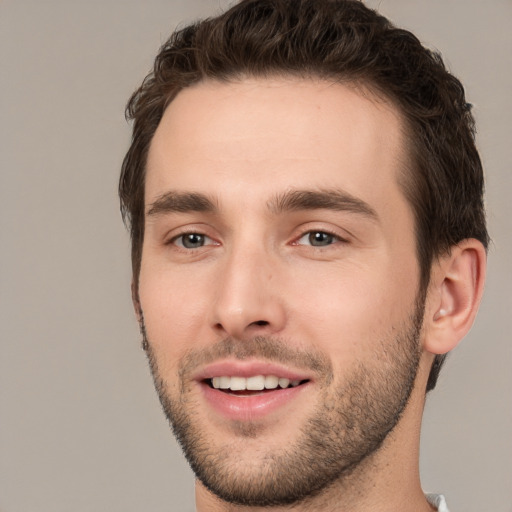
{"x": 350, "y": 422}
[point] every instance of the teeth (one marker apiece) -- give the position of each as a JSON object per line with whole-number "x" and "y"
{"x": 238, "y": 383}
{"x": 255, "y": 383}
{"x": 224, "y": 383}
{"x": 284, "y": 383}
{"x": 271, "y": 382}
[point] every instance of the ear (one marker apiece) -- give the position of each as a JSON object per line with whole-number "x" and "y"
{"x": 454, "y": 294}
{"x": 136, "y": 301}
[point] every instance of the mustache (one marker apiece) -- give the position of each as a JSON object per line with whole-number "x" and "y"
{"x": 268, "y": 348}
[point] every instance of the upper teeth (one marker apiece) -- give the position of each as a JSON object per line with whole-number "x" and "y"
{"x": 256, "y": 383}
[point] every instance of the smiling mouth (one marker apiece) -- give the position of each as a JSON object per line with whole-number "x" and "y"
{"x": 252, "y": 385}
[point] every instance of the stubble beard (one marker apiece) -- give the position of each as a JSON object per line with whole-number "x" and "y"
{"x": 349, "y": 424}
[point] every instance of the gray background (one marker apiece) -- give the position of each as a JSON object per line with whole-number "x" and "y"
{"x": 80, "y": 426}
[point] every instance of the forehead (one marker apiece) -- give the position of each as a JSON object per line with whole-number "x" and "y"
{"x": 264, "y": 135}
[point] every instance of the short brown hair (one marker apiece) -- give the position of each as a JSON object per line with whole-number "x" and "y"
{"x": 340, "y": 40}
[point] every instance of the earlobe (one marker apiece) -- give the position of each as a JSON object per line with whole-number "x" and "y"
{"x": 455, "y": 292}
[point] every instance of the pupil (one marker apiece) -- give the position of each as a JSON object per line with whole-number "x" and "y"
{"x": 318, "y": 238}
{"x": 193, "y": 240}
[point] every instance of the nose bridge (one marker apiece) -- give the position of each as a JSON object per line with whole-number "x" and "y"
{"x": 248, "y": 299}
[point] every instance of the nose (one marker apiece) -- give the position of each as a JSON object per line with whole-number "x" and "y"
{"x": 248, "y": 301}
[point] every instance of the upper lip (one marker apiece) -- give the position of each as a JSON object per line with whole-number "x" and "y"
{"x": 236, "y": 368}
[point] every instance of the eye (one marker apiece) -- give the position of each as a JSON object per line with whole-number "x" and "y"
{"x": 192, "y": 240}
{"x": 318, "y": 239}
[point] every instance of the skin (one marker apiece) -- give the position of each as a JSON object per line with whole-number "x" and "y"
{"x": 243, "y": 145}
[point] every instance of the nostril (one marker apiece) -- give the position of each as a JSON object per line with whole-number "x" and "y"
{"x": 260, "y": 323}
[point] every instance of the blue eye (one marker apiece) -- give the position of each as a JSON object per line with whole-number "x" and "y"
{"x": 318, "y": 239}
{"x": 191, "y": 240}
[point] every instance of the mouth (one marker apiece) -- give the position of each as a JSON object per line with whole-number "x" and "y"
{"x": 252, "y": 385}
{"x": 252, "y": 390}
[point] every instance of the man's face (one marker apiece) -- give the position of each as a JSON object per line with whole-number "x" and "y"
{"x": 279, "y": 253}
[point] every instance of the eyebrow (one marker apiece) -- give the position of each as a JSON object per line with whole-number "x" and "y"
{"x": 293, "y": 200}
{"x": 325, "y": 199}
{"x": 182, "y": 202}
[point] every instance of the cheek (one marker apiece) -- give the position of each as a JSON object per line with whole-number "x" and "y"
{"x": 348, "y": 311}
{"x": 174, "y": 308}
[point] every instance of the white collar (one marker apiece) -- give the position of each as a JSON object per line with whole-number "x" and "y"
{"x": 437, "y": 500}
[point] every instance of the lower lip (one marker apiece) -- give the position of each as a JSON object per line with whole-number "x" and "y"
{"x": 250, "y": 407}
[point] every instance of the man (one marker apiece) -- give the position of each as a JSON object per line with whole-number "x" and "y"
{"x": 308, "y": 242}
